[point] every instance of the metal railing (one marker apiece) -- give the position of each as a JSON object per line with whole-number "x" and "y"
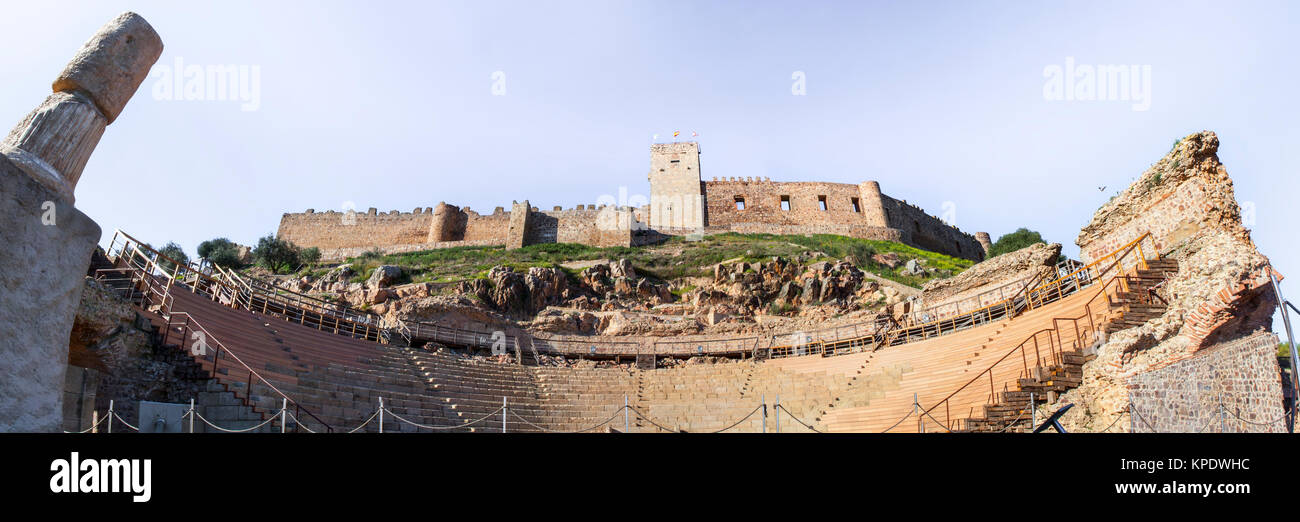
{"x": 1052, "y": 353}
{"x": 146, "y": 273}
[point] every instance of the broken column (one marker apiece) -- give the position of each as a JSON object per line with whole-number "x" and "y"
{"x": 46, "y": 242}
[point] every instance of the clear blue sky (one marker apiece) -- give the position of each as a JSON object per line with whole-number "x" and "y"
{"x": 390, "y": 105}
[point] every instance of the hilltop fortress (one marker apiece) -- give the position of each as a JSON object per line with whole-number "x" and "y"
{"x": 681, "y": 203}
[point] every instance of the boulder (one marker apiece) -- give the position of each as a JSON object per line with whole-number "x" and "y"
{"x": 383, "y": 276}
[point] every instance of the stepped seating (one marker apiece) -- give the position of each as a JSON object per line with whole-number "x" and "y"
{"x": 932, "y": 369}
{"x": 340, "y": 379}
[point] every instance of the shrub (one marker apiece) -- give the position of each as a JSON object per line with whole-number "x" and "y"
{"x": 1014, "y": 241}
{"x": 221, "y": 251}
{"x": 310, "y": 255}
{"x": 173, "y": 251}
{"x": 277, "y": 255}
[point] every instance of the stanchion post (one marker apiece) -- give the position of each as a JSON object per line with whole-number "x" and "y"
{"x": 1033, "y": 413}
{"x": 777, "y": 412}
{"x": 626, "y": 422}
{"x": 94, "y": 421}
{"x": 284, "y": 414}
{"x": 381, "y": 415}
{"x": 110, "y": 416}
{"x": 764, "y": 396}
{"x": 191, "y": 412}
{"x": 1295, "y": 358}
{"x": 505, "y": 409}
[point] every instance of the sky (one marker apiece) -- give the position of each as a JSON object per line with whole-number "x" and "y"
{"x": 398, "y": 105}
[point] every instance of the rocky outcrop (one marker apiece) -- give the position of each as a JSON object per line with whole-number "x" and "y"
{"x": 1037, "y": 260}
{"x": 1221, "y": 292}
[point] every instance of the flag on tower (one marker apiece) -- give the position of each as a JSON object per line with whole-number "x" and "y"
{"x": 675, "y": 133}
{"x": 695, "y": 134}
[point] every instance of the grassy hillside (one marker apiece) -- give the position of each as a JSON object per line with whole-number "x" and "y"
{"x": 672, "y": 259}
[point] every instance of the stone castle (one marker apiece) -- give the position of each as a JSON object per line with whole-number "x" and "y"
{"x": 681, "y": 203}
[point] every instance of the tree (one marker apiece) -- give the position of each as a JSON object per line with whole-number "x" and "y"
{"x": 310, "y": 255}
{"x": 221, "y": 251}
{"x": 276, "y": 254}
{"x": 175, "y": 252}
{"x": 1014, "y": 241}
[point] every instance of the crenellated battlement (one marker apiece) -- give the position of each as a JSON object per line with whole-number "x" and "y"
{"x": 680, "y": 203}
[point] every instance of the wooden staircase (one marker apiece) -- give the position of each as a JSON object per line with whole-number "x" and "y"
{"x": 1138, "y": 303}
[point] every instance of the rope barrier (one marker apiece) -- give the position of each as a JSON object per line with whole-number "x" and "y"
{"x": 1142, "y": 418}
{"x": 372, "y": 417}
{"x": 796, "y": 419}
{"x": 584, "y": 430}
{"x": 123, "y": 421}
{"x": 648, "y": 419}
{"x": 751, "y": 414}
{"x": 92, "y": 426}
{"x": 900, "y": 421}
{"x": 431, "y": 427}
{"x": 219, "y": 428}
{"x": 299, "y": 423}
{"x": 1116, "y": 421}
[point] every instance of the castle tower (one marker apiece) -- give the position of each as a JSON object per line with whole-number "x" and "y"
{"x": 448, "y": 224}
{"x": 873, "y": 204}
{"x": 983, "y": 238}
{"x": 676, "y": 194}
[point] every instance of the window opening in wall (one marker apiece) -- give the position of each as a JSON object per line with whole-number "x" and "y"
{"x": 785, "y": 202}
{"x": 856, "y": 208}
{"x": 821, "y": 201}
{"x": 740, "y": 203}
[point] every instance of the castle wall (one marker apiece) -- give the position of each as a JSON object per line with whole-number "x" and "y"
{"x": 929, "y": 232}
{"x": 332, "y": 230}
{"x": 855, "y": 210}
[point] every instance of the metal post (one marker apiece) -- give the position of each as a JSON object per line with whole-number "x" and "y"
{"x": 284, "y": 414}
{"x": 916, "y": 404}
{"x": 777, "y": 413}
{"x": 505, "y": 408}
{"x": 1295, "y": 359}
{"x": 94, "y": 421}
{"x": 1033, "y": 413}
{"x": 110, "y": 416}
{"x": 381, "y": 415}
{"x": 764, "y": 413}
{"x": 626, "y": 424}
{"x": 191, "y": 415}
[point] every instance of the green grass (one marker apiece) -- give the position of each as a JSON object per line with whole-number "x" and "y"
{"x": 674, "y": 259}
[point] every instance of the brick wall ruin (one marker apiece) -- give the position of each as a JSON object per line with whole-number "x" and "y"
{"x": 1213, "y": 391}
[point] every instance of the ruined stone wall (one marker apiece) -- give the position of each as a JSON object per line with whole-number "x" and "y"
{"x": 1185, "y": 194}
{"x": 928, "y": 232}
{"x": 762, "y": 199}
{"x": 830, "y": 208}
{"x": 334, "y": 230}
{"x": 1242, "y": 376}
{"x": 490, "y": 227}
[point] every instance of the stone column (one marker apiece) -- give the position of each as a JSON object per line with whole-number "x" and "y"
{"x": 46, "y": 242}
{"x": 521, "y": 217}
